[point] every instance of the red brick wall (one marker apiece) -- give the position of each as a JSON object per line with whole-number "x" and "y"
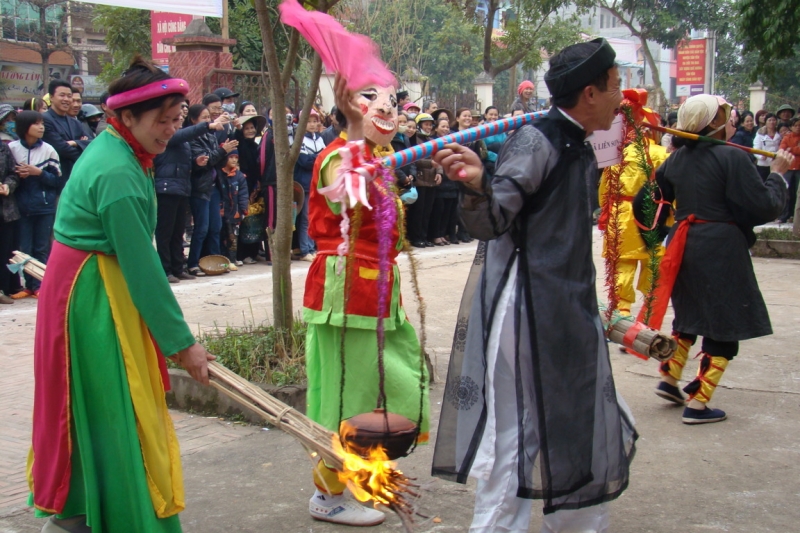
{"x": 194, "y": 65}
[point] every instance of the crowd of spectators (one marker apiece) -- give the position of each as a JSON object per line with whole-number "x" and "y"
{"x": 216, "y": 182}
{"x": 771, "y": 131}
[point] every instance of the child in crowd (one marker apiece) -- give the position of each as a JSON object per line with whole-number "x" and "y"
{"x": 234, "y": 206}
{"x": 39, "y": 186}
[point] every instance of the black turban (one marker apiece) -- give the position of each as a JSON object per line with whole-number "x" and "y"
{"x": 574, "y": 75}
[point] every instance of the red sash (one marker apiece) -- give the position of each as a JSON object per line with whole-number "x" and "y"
{"x": 670, "y": 266}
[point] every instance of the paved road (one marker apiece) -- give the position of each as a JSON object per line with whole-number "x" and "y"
{"x": 736, "y": 476}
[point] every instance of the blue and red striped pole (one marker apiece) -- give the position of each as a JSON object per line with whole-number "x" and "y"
{"x": 426, "y": 150}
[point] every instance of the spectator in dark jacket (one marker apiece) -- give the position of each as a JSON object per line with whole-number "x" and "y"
{"x": 252, "y": 126}
{"x": 445, "y": 207}
{"x": 213, "y": 103}
{"x": 234, "y": 206}
{"x": 266, "y": 162}
{"x": 428, "y": 177}
{"x": 107, "y": 113}
{"x": 8, "y": 116}
{"x": 39, "y": 186}
{"x": 746, "y": 133}
{"x": 9, "y": 216}
{"x": 404, "y": 175}
{"x": 207, "y": 156}
{"x": 333, "y": 131}
{"x": 312, "y": 146}
{"x": 173, "y": 181}
{"x": 62, "y": 132}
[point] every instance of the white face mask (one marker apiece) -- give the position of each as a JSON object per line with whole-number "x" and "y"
{"x": 379, "y": 106}
{"x": 411, "y": 116}
{"x": 402, "y": 128}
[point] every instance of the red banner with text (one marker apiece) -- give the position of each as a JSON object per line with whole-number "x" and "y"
{"x": 162, "y": 26}
{"x": 691, "y": 59}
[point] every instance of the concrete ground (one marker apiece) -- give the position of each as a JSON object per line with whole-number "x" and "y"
{"x": 737, "y": 476}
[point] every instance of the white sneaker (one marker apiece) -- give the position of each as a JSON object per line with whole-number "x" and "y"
{"x": 239, "y": 263}
{"x": 340, "y": 510}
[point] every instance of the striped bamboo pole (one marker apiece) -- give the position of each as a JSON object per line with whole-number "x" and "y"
{"x": 703, "y": 138}
{"x": 427, "y": 149}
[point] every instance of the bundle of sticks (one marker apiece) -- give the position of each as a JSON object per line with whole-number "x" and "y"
{"x": 639, "y": 339}
{"x": 394, "y": 492}
{"x": 31, "y": 266}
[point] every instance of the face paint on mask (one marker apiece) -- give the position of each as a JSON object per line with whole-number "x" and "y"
{"x": 380, "y": 118}
{"x": 229, "y": 108}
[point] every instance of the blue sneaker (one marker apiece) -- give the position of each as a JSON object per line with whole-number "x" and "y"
{"x": 670, "y": 393}
{"x": 703, "y": 416}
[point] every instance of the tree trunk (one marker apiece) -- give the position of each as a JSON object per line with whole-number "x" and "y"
{"x": 658, "y": 103}
{"x": 512, "y": 83}
{"x": 45, "y": 70}
{"x": 44, "y": 49}
{"x": 280, "y": 241}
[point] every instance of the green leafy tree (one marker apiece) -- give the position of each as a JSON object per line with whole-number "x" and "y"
{"x": 428, "y": 38}
{"x": 735, "y": 66}
{"x": 127, "y": 34}
{"x": 529, "y": 27}
{"x": 769, "y": 31}
{"x": 666, "y": 22}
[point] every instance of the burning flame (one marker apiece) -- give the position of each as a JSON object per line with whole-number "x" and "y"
{"x": 369, "y": 474}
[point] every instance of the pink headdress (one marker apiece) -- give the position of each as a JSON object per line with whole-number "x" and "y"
{"x": 355, "y": 56}
{"x": 148, "y": 92}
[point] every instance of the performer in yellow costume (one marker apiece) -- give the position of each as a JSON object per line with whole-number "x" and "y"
{"x": 633, "y": 251}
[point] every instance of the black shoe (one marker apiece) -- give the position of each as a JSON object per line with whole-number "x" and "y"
{"x": 173, "y": 279}
{"x": 186, "y": 275}
{"x": 703, "y": 416}
{"x": 670, "y": 393}
{"x": 419, "y": 244}
{"x": 196, "y": 272}
{"x": 429, "y": 244}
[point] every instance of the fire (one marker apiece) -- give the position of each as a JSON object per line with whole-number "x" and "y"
{"x": 369, "y": 474}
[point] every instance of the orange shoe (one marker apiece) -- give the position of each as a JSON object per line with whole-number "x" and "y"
{"x": 24, "y": 293}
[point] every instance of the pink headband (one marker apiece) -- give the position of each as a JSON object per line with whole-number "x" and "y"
{"x": 148, "y": 92}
